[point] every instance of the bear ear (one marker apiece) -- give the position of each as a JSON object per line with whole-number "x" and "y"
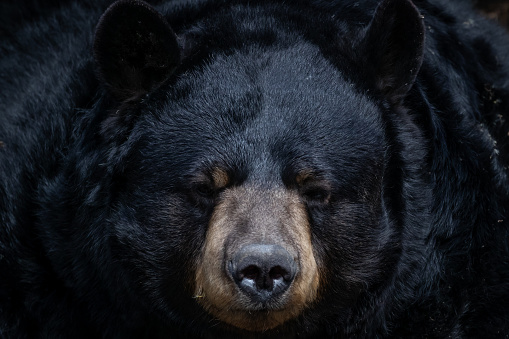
{"x": 135, "y": 49}
{"x": 394, "y": 47}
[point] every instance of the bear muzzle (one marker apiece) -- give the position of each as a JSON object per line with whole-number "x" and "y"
{"x": 257, "y": 268}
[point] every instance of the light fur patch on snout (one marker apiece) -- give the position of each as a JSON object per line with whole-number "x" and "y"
{"x": 281, "y": 217}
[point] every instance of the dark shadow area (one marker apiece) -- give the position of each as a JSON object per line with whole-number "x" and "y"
{"x": 495, "y": 9}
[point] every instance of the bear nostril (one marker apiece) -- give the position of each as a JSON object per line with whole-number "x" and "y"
{"x": 262, "y": 271}
{"x": 251, "y": 272}
{"x": 278, "y": 272}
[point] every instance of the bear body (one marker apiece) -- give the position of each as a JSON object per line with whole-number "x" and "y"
{"x": 289, "y": 169}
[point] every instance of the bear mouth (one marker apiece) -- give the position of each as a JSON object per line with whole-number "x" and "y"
{"x": 256, "y": 299}
{"x": 259, "y": 320}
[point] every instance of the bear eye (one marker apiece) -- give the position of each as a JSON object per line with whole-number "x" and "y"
{"x": 207, "y": 184}
{"x": 205, "y": 190}
{"x": 312, "y": 189}
{"x": 316, "y": 194}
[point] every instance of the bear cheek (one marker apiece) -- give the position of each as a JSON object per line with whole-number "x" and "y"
{"x": 216, "y": 290}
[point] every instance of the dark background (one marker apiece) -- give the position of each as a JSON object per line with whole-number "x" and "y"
{"x": 495, "y": 9}
{"x": 12, "y": 12}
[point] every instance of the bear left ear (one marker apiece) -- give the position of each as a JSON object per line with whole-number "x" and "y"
{"x": 394, "y": 45}
{"x": 135, "y": 49}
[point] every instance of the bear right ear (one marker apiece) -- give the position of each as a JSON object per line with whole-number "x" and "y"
{"x": 135, "y": 49}
{"x": 392, "y": 48}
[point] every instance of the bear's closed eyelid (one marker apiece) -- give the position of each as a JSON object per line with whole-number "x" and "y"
{"x": 316, "y": 194}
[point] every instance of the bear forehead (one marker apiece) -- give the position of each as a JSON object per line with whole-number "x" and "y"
{"x": 270, "y": 93}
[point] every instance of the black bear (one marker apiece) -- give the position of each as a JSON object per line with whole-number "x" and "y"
{"x": 253, "y": 168}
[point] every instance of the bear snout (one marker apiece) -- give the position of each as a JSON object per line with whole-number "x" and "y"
{"x": 257, "y": 269}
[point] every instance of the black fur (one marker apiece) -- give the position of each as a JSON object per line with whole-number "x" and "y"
{"x": 399, "y": 107}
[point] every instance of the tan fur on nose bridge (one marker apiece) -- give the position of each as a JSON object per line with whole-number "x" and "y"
{"x": 217, "y": 291}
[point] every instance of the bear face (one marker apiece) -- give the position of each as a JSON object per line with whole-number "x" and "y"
{"x": 274, "y": 165}
{"x": 249, "y": 167}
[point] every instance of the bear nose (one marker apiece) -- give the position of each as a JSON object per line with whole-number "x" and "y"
{"x": 263, "y": 272}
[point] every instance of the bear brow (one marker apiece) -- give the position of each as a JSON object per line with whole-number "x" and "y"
{"x": 304, "y": 175}
{"x": 220, "y": 177}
